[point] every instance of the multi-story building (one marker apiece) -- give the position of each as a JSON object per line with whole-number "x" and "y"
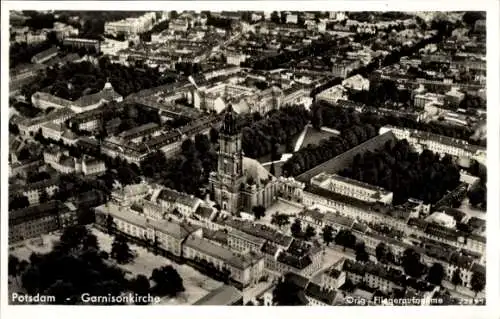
{"x": 333, "y": 278}
{"x": 454, "y": 96}
{"x": 92, "y": 166}
{"x": 63, "y": 30}
{"x": 234, "y": 58}
{"x": 37, "y": 220}
{"x": 83, "y": 104}
{"x": 77, "y": 43}
{"x": 326, "y": 200}
{"x": 245, "y": 269}
{"x": 180, "y": 25}
{"x": 291, "y": 18}
{"x": 342, "y": 69}
{"x": 169, "y": 236}
{"x": 33, "y": 190}
{"x": 333, "y": 94}
{"x": 45, "y": 55}
{"x": 420, "y": 100}
{"x": 356, "y": 83}
{"x": 374, "y": 275}
{"x": 420, "y": 140}
{"x": 131, "y": 26}
{"x": 35, "y": 37}
{"x": 58, "y": 132}
{"x": 352, "y": 188}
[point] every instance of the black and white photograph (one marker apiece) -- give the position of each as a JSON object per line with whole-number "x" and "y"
{"x": 278, "y": 157}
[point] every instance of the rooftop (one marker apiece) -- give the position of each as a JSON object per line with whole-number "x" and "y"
{"x": 225, "y": 295}
{"x": 222, "y": 253}
{"x": 324, "y": 295}
{"x": 34, "y": 212}
{"x": 261, "y": 231}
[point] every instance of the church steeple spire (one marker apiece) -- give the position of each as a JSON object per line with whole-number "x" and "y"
{"x": 229, "y": 124}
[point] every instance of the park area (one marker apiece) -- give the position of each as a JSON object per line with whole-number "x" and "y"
{"x": 308, "y": 136}
{"x": 196, "y": 284}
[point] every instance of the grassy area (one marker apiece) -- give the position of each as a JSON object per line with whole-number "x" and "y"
{"x": 313, "y": 136}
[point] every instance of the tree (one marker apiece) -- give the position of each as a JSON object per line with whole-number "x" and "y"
{"x": 19, "y": 202}
{"x": 110, "y": 224}
{"x": 76, "y": 238}
{"x": 120, "y": 250}
{"x": 214, "y": 135}
{"x": 202, "y": 143}
{"x": 328, "y": 234}
{"x": 61, "y": 290}
{"x": 13, "y": 266}
{"x": 411, "y": 263}
{"x": 345, "y": 238}
{"x": 436, "y": 274}
{"x": 310, "y": 232}
{"x": 477, "y": 282}
{"x": 286, "y": 293}
{"x": 167, "y": 281}
{"x": 259, "y": 211}
{"x": 44, "y": 197}
{"x": 381, "y": 252}
{"x": 140, "y": 285}
{"x": 455, "y": 278}
{"x": 361, "y": 254}
{"x": 296, "y": 228}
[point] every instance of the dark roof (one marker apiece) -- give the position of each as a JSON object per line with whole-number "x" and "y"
{"x": 475, "y": 222}
{"x": 259, "y": 230}
{"x": 46, "y": 53}
{"x": 297, "y": 280}
{"x": 478, "y": 268}
{"x": 458, "y": 215}
{"x": 334, "y": 273}
{"x": 225, "y": 295}
{"x": 35, "y": 212}
{"x": 294, "y": 261}
{"x": 324, "y": 295}
{"x": 138, "y": 130}
{"x": 341, "y": 161}
{"x": 204, "y": 212}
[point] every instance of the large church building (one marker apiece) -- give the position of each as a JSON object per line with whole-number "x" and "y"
{"x": 240, "y": 183}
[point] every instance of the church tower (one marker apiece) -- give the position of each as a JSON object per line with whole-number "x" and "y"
{"x": 226, "y": 182}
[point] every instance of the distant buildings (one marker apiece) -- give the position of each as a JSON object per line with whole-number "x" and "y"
{"x": 131, "y": 26}
{"x": 179, "y": 25}
{"x": 67, "y": 164}
{"x": 33, "y": 191}
{"x": 333, "y": 94}
{"x": 480, "y": 26}
{"x": 40, "y": 219}
{"x": 45, "y": 55}
{"x": 77, "y": 43}
{"x": 437, "y": 143}
{"x": 352, "y": 188}
{"x": 291, "y": 18}
{"x": 85, "y": 103}
{"x": 356, "y": 83}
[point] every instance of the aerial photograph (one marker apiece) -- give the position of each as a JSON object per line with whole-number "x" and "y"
{"x": 253, "y": 158}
